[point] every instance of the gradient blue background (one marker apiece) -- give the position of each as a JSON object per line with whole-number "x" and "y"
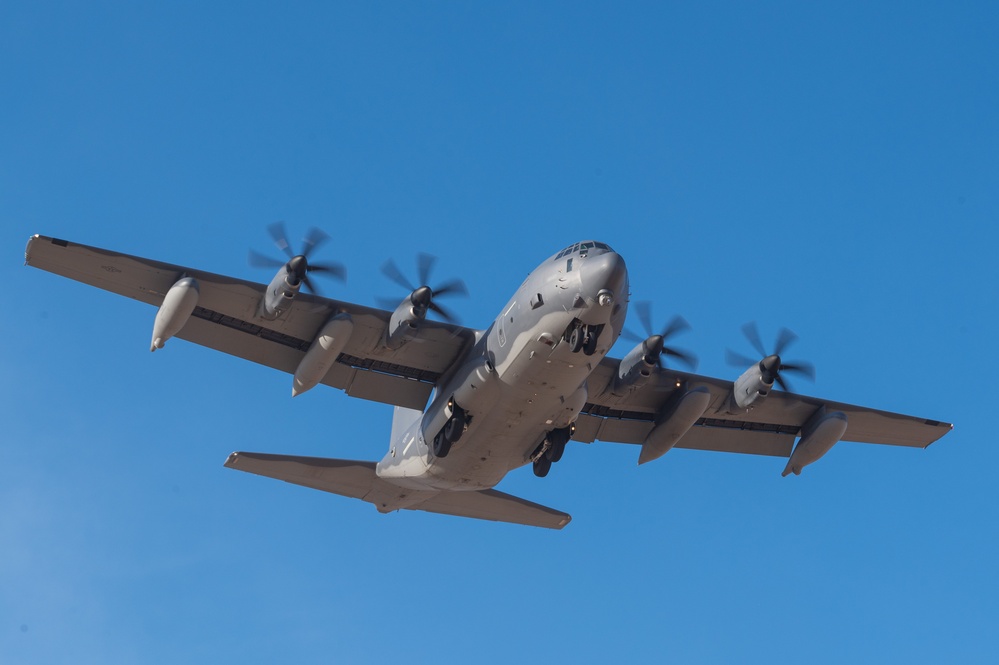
{"x": 832, "y": 168}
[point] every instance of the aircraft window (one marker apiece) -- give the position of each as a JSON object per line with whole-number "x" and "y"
{"x": 601, "y": 245}
{"x": 586, "y": 245}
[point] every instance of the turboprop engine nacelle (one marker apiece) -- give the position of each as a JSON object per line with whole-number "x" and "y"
{"x": 820, "y": 433}
{"x": 325, "y": 349}
{"x": 405, "y": 321}
{"x": 280, "y": 294}
{"x": 634, "y": 369}
{"x": 178, "y": 304}
{"x": 749, "y": 387}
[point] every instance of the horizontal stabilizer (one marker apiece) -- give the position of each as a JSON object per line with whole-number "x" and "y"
{"x": 358, "y": 480}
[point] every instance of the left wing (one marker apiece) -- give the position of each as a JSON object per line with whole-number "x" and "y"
{"x": 768, "y": 428}
{"x": 226, "y": 319}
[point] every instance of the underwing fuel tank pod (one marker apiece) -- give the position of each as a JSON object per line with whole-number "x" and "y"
{"x": 176, "y": 309}
{"x": 325, "y": 349}
{"x": 817, "y": 437}
{"x": 674, "y": 424}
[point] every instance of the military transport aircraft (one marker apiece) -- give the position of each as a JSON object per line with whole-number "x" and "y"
{"x": 472, "y": 405}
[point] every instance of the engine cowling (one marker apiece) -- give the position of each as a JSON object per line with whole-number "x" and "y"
{"x": 749, "y": 387}
{"x": 281, "y": 292}
{"x": 403, "y": 325}
{"x": 634, "y": 370}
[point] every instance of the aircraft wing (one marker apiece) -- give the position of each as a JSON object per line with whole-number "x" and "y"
{"x": 225, "y": 319}
{"x": 358, "y": 480}
{"x": 769, "y": 428}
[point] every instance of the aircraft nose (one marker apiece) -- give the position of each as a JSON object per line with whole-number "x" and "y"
{"x": 608, "y": 272}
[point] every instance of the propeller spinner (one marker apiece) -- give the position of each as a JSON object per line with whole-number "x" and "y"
{"x": 298, "y": 265}
{"x": 655, "y": 344}
{"x": 771, "y": 366}
{"x": 423, "y": 297}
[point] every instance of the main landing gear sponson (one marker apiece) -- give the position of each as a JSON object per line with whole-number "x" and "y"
{"x": 551, "y": 450}
{"x": 451, "y": 432}
{"x": 582, "y": 337}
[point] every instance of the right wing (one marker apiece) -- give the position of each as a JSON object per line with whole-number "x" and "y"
{"x": 226, "y": 320}
{"x": 768, "y": 428}
{"x": 358, "y": 480}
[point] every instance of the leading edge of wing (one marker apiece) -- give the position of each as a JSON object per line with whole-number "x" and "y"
{"x": 109, "y": 270}
{"x": 357, "y": 479}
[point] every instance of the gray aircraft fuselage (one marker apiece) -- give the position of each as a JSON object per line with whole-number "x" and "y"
{"x": 524, "y": 378}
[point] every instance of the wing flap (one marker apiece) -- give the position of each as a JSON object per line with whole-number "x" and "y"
{"x": 590, "y": 428}
{"x": 358, "y": 480}
{"x": 726, "y": 440}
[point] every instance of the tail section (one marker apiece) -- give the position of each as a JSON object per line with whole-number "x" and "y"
{"x": 358, "y": 480}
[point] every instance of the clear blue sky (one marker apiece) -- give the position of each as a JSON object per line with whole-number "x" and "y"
{"x": 833, "y": 168}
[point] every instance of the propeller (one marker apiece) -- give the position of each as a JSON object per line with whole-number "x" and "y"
{"x": 423, "y": 297}
{"x": 655, "y": 344}
{"x": 298, "y": 265}
{"x": 771, "y": 366}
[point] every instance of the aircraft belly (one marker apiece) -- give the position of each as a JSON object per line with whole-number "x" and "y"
{"x": 537, "y": 375}
{"x": 503, "y": 438}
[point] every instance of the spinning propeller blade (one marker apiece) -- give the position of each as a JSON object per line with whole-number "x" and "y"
{"x": 655, "y": 344}
{"x": 424, "y": 296}
{"x": 771, "y": 365}
{"x": 298, "y": 265}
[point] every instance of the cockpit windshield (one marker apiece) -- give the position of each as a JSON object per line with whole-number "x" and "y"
{"x": 584, "y": 248}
